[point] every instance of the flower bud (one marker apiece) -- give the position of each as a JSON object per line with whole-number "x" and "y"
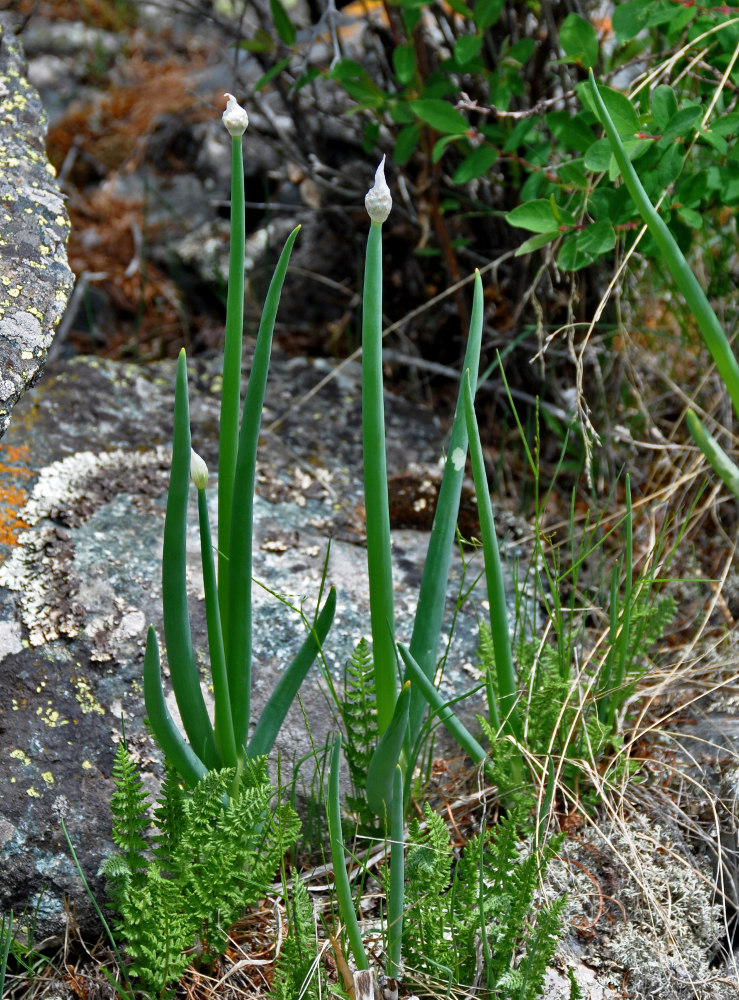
{"x": 234, "y": 117}
{"x": 378, "y": 201}
{"x": 198, "y": 470}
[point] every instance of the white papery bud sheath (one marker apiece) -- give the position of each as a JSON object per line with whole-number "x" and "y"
{"x": 198, "y": 470}
{"x": 378, "y": 201}
{"x": 234, "y": 117}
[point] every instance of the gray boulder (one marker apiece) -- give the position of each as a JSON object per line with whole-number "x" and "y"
{"x": 35, "y": 278}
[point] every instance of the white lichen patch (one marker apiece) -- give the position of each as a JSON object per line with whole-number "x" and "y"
{"x": 55, "y": 600}
{"x": 10, "y": 639}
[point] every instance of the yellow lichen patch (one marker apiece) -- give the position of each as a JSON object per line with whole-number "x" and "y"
{"x": 21, "y": 756}
{"x": 48, "y": 777}
{"x": 86, "y": 765}
{"x": 33, "y": 793}
{"x": 50, "y": 716}
{"x": 87, "y": 701}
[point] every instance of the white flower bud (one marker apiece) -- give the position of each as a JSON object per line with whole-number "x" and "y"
{"x": 378, "y": 201}
{"x": 198, "y": 470}
{"x": 234, "y": 117}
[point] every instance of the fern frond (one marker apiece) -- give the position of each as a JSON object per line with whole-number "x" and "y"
{"x": 130, "y": 807}
{"x": 295, "y": 970}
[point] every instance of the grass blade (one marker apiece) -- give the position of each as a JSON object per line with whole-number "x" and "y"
{"x": 182, "y": 666}
{"x": 238, "y": 634}
{"x": 379, "y": 557}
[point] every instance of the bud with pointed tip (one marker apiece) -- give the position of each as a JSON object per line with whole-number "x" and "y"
{"x": 378, "y": 201}
{"x": 234, "y": 117}
{"x": 198, "y": 470}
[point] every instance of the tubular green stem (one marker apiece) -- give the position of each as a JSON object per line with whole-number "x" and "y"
{"x": 694, "y": 296}
{"x": 381, "y": 770}
{"x": 341, "y": 879}
{"x": 427, "y": 625}
{"x": 379, "y": 556}
{"x": 182, "y": 666}
{"x": 238, "y": 636}
{"x": 507, "y": 689}
{"x": 231, "y": 393}
{"x": 396, "y": 893}
{"x": 223, "y": 718}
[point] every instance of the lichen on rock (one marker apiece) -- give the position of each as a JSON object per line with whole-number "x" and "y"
{"x": 35, "y": 279}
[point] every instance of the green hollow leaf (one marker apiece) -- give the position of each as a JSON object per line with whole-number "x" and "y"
{"x": 578, "y": 40}
{"x": 432, "y": 593}
{"x": 683, "y": 275}
{"x": 182, "y": 666}
{"x": 274, "y": 712}
{"x": 499, "y": 628}
{"x": 396, "y": 890}
{"x": 238, "y": 634}
{"x": 440, "y": 115}
{"x": 343, "y": 889}
{"x": 439, "y": 707}
{"x": 722, "y": 465}
{"x": 381, "y": 770}
{"x": 177, "y": 752}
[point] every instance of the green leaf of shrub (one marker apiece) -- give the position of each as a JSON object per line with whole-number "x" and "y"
{"x": 664, "y": 106}
{"x": 630, "y": 18}
{"x": 272, "y": 73}
{"x": 534, "y": 242}
{"x": 467, "y": 47}
{"x": 681, "y": 122}
{"x": 486, "y": 13}
{"x": 618, "y": 105}
{"x": 571, "y": 131}
{"x": 406, "y": 143}
{"x": 404, "y": 62}
{"x": 598, "y": 156}
{"x": 440, "y": 116}
{"x": 536, "y": 216}
{"x": 261, "y": 41}
{"x": 475, "y": 165}
{"x": 283, "y": 25}
{"x": 578, "y": 40}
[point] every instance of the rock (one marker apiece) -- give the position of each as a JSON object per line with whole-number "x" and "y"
{"x": 83, "y": 474}
{"x": 36, "y": 279}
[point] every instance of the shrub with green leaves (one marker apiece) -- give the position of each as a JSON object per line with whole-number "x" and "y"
{"x": 213, "y": 858}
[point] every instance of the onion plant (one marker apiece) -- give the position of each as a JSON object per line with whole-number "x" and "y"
{"x": 695, "y": 298}
{"x": 225, "y": 741}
